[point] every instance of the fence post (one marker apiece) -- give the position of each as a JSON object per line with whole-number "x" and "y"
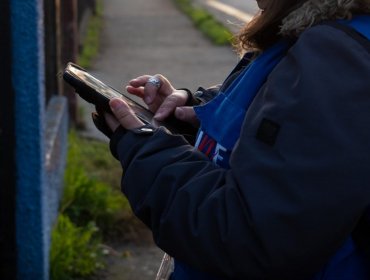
{"x": 69, "y": 49}
{"x": 29, "y": 94}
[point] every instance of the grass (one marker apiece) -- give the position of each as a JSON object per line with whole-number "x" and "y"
{"x": 206, "y": 23}
{"x": 92, "y": 210}
{"x": 91, "y": 42}
{"x": 95, "y": 158}
{"x": 75, "y": 251}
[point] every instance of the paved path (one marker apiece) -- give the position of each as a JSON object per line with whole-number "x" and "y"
{"x": 232, "y": 13}
{"x": 149, "y": 37}
{"x": 152, "y": 37}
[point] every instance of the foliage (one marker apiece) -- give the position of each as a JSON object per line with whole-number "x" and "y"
{"x": 95, "y": 159}
{"x": 85, "y": 198}
{"x": 90, "y": 44}
{"x": 88, "y": 199}
{"x": 75, "y": 251}
{"x": 89, "y": 210}
{"x": 206, "y": 23}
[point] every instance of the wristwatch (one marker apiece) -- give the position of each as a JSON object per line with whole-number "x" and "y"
{"x": 146, "y": 129}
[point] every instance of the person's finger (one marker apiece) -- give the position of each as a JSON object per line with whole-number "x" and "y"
{"x": 139, "y": 81}
{"x": 125, "y": 116}
{"x": 136, "y": 91}
{"x": 169, "y": 105}
{"x": 136, "y": 86}
{"x": 187, "y": 114}
{"x": 165, "y": 85}
{"x": 157, "y": 86}
{"x": 151, "y": 89}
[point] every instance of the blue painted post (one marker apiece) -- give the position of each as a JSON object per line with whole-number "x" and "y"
{"x": 28, "y": 80}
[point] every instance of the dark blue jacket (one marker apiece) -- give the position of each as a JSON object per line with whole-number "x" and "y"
{"x": 298, "y": 183}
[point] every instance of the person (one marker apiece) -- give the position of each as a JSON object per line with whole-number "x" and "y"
{"x": 276, "y": 183}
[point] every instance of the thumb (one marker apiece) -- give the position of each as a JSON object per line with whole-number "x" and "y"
{"x": 125, "y": 116}
{"x": 187, "y": 114}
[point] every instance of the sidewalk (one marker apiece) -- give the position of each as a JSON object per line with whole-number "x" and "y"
{"x": 232, "y": 13}
{"x": 150, "y": 37}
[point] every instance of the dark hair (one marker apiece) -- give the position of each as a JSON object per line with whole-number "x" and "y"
{"x": 263, "y": 30}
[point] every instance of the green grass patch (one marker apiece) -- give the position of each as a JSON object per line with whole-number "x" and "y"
{"x": 91, "y": 42}
{"x": 95, "y": 159}
{"x": 92, "y": 185}
{"x": 206, "y": 23}
{"x": 92, "y": 210}
{"x": 75, "y": 251}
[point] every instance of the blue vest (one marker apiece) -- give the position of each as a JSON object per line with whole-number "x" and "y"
{"x": 216, "y": 139}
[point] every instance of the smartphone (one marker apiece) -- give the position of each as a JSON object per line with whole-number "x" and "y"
{"x": 98, "y": 93}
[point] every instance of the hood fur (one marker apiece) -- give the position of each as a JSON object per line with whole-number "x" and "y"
{"x": 314, "y": 11}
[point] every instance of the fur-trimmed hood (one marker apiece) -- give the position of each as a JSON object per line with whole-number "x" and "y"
{"x": 314, "y": 11}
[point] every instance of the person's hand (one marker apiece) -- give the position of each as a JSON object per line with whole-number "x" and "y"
{"x": 162, "y": 98}
{"x": 100, "y": 122}
{"x": 122, "y": 115}
{"x": 152, "y": 89}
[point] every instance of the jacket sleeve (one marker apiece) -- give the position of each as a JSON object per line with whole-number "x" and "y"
{"x": 201, "y": 96}
{"x": 285, "y": 206}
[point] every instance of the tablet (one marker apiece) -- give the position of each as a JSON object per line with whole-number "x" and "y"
{"x": 98, "y": 93}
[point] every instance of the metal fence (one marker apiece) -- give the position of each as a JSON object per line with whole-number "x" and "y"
{"x": 84, "y": 6}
